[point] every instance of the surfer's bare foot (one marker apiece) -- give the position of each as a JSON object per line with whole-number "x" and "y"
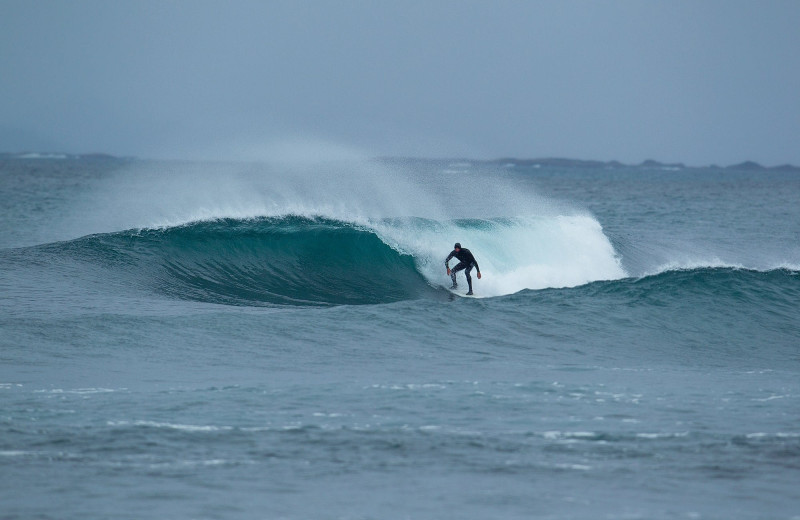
{"x": 469, "y": 293}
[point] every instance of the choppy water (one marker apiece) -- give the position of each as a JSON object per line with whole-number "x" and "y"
{"x": 188, "y": 340}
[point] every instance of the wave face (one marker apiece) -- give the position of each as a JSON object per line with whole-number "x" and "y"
{"x": 710, "y": 287}
{"x": 289, "y": 260}
{"x": 300, "y": 260}
{"x": 353, "y": 232}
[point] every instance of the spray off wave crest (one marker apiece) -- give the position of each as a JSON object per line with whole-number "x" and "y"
{"x": 327, "y": 230}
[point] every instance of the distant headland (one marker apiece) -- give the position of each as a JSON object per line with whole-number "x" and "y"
{"x": 59, "y": 155}
{"x": 648, "y": 164}
{"x": 507, "y": 162}
{"x": 558, "y": 162}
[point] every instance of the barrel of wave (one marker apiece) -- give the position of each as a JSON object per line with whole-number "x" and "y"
{"x": 513, "y": 253}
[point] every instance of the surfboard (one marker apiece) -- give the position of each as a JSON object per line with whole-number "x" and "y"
{"x": 460, "y": 292}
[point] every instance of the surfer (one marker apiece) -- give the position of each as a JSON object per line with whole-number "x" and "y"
{"x": 465, "y": 261}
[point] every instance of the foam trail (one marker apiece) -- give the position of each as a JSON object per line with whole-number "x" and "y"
{"x": 514, "y": 254}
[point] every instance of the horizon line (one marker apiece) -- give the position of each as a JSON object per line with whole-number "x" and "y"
{"x": 551, "y": 161}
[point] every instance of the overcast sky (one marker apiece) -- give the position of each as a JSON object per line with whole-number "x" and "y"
{"x": 694, "y": 81}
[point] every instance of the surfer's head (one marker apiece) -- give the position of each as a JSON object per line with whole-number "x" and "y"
{"x": 457, "y": 246}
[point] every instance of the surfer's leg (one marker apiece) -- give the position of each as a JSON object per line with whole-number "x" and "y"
{"x": 453, "y": 271}
{"x": 469, "y": 279}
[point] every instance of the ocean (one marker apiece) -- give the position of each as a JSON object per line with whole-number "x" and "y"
{"x": 278, "y": 340}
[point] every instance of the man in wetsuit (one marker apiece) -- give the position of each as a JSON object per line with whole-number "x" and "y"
{"x": 465, "y": 261}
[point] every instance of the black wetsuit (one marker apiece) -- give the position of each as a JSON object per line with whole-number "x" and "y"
{"x": 465, "y": 261}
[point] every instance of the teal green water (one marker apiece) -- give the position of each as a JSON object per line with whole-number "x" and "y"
{"x": 274, "y": 341}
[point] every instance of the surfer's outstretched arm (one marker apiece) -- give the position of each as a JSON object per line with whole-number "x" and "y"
{"x": 474, "y": 263}
{"x": 447, "y": 261}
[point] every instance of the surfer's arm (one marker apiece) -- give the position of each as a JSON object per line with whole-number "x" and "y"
{"x": 447, "y": 260}
{"x": 475, "y": 263}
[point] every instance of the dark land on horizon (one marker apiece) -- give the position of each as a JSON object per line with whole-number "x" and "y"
{"x": 547, "y": 162}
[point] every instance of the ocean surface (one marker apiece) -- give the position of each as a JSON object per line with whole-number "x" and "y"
{"x": 277, "y": 340}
